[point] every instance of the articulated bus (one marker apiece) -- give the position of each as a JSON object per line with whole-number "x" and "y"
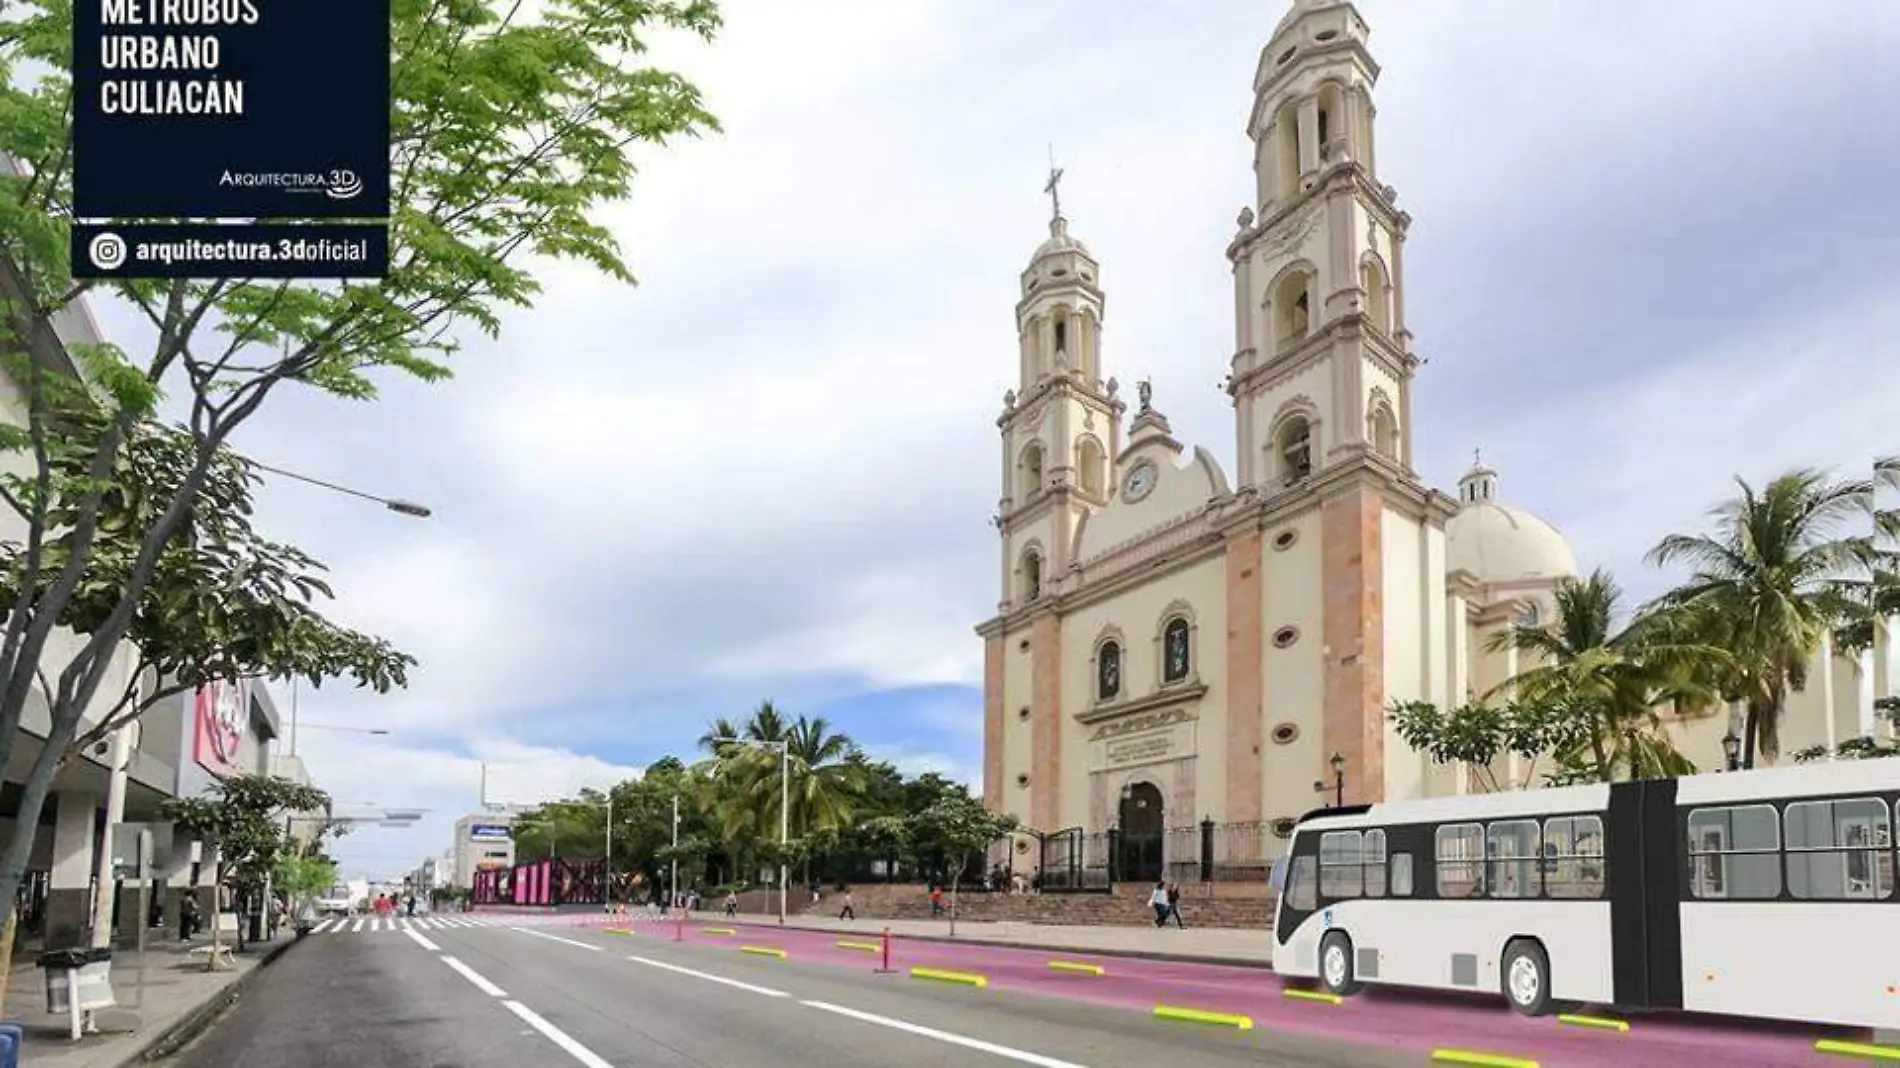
{"x": 1766, "y": 893}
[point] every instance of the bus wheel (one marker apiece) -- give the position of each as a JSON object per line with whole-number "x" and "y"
{"x": 1526, "y": 978}
{"x": 1335, "y": 964}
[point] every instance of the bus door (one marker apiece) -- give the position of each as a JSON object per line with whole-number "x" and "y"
{"x": 1644, "y": 857}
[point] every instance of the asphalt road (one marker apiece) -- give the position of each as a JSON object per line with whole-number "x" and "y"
{"x": 505, "y": 994}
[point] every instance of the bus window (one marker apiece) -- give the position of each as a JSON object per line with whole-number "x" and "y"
{"x": 1276, "y": 876}
{"x": 1373, "y": 855}
{"x": 1401, "y": 875}
{"x": 1512, "y": 848}
{"x": 1573, "y": 857}
{"x": 1459, "y": 860}
{"x": 1735, "y": 853}
{"x": 1839, "y": 850}
{"x": 1340, "y": 874}
{"x": 1300, "y": 883}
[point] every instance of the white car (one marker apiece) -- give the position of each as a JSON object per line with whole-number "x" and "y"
{"x": 336, "y": 903}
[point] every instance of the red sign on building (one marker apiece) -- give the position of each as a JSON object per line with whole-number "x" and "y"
{"x": 220, "y": 723}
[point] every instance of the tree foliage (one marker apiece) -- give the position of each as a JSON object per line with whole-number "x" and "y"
{"x": 245, "y": 818}
{"x": 1478, "y": 734}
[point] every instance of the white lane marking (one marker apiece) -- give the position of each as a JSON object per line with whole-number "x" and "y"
{"x": 320, "y": 928}
{"x": 557, "y": 938}
{"x": 557, "y": 1036}
{"x": 475, "y": 977}
{"x": 709, "y": 977}
{"x": 423, "y": 942}
{"x": 358, "y": 927}
{"x": 944, "y": 1036}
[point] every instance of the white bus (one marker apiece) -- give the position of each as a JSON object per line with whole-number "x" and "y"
{"x": 1766, "y": 893}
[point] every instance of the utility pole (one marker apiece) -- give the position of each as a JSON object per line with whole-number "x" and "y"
{"x": 675, "y": 881}
{"x": 784, "y": 823}
{"x": 119, "y": 760}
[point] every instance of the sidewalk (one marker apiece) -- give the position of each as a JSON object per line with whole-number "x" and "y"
{"x": 1214, "y": 945}
{"x": 177, "y": 991}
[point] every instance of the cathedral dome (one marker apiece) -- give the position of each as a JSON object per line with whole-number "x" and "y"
{"x": 1059, "y": 241}
{"x": 1499, "y": 543}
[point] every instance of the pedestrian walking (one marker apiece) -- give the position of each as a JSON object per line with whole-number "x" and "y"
{"x": 936, "y": 902}
{"x": 732, "y": 904}
{"x": 1159, "y": 901}
{"x": 1174, "y": 905}
{"x": 847, "y": 913}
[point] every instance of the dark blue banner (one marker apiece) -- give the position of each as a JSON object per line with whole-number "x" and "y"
{"x": 231, "y": 108}
{"x": 209, "y": 250}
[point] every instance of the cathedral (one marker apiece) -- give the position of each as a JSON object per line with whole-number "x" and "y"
{"x": 1175, "y": 642}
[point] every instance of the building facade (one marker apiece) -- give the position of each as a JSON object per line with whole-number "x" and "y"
{"x": 1173, "y": 644}
{"x": 483, "y": 842}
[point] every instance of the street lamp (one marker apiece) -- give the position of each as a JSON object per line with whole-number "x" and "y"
{"x": 1338, "y": 763}
{"x": 394, "y": 504}
{"x": 784, "y": 752}
{"x": 1732, "y": 749}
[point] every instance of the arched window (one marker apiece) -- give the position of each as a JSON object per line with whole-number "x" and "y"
{"x": 1108, "y": 671}
{"x": 1177, "y": 654}
{"x": 1332, "y": 126}
{"x": 1378, "y": 295}
{"x": 1382, "y": 429}
{"x": 1292, "y": 308}
{"x": 1293, "y": 449}
{"x": 1032, "y": 470}
{"x": 1090, "y": 464}
{"x": 1032, "y": 575}
{"x": 1287, "y": 146}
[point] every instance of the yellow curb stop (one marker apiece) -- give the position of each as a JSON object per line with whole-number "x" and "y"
{"x": 941, "y": 976}
{"x": 717, "y": 930}
{"x": 867, "y": 947}
{"x": 1197, "y": 1016}
{"x": 1857, "y": 1049}
{"x": 1077, "y": 967}
{"x": 1312, "y": 995}
{"x": 1479, "y": 1060}
{"x": 763, "y": 951}
{"x": 1601, "y": 1023}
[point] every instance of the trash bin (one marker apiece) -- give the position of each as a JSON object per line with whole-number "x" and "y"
{"x": 87, "y": 971}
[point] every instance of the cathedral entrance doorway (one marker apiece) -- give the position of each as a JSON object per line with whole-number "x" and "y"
{"x": 1141, "y": 823}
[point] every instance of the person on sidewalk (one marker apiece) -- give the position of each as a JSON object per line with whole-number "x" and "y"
{"x": 1159, "y": 901}
{"x": 1174, "y": 905}
{"x": 847, "y": 913}
{"x": 732, "y": 904}
{"x": 936, "y": 902}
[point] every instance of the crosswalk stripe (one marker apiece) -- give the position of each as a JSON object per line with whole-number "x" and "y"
{"x": 359, "y": 925}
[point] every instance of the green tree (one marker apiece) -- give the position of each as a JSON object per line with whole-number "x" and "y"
{"x": 1614, "y": 679}
{"x": 957, "y": 827}
{"x": 1477, "y": 734}
{"x": 223, "y": 603}
{"x": 302, "y": 878}
{"x": 1771, "y": 580}
{"x": 510, "y": 128}
{"x": 244, "y": 818}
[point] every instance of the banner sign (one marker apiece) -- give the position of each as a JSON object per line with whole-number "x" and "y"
{"x": 232, "y": 109}
{"x": 220, "y": 723}
{"x": 490, "y": 832}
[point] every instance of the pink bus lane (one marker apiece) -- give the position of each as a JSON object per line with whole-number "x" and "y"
{"x": 1410, "y": 1020}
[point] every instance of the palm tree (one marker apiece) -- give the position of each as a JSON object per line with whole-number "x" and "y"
{"x": 1617, "y": 679}
{"x": 1768, "y": 584}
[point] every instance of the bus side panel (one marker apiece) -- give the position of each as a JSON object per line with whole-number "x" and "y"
{"x": 1814, "y": 961}
{"x": 1645, "y": 910}
{"x": 1459, "y": 945}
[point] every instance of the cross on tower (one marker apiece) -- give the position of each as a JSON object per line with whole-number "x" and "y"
{"x": 1055, "y": 181}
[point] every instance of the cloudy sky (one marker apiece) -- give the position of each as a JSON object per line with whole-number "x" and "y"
{"x": 1655, "y": 246}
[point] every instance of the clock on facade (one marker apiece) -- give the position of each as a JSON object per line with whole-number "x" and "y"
{"x": 1139, "y": 483}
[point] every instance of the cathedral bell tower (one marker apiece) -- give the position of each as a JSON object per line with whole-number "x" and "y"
{"x": 1061, "y": 425}
{"x": 1323, "y": 367}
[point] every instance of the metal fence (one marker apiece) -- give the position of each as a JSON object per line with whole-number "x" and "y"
{"x": 1077, "y": 861}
